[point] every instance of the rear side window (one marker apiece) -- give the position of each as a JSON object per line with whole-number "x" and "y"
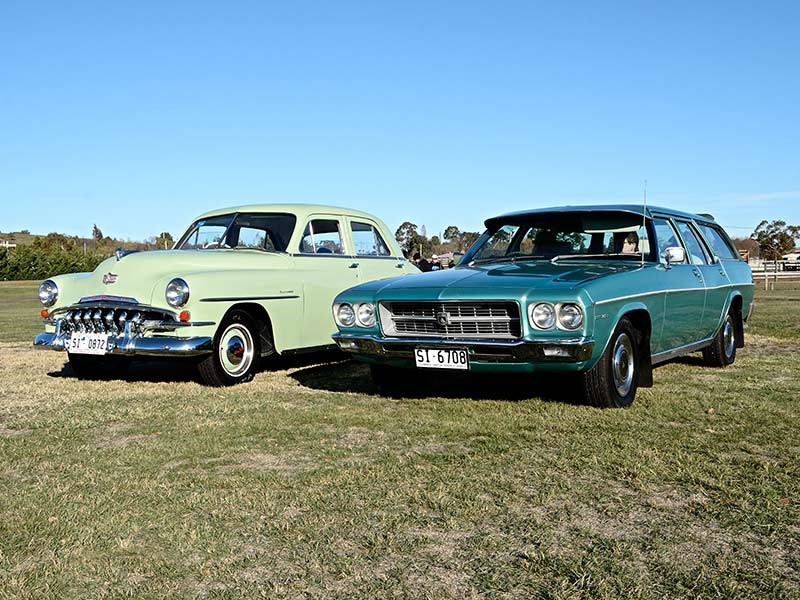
{"x": 717, "y": 242}
{"x": 697, "y": 254}
{"x": 367, "y": 240}
{"x": 322, "y": 236}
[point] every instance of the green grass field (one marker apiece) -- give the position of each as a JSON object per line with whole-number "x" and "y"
{"x": 306, "y": 483}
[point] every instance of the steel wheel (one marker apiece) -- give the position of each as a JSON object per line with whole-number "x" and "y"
{"x": 728, "y": 338}
{"x": 236, "y": 349}
{"x": 622, "y": 364}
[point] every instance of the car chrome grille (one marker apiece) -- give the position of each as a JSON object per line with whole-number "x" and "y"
{"x": 455, "y": 320}
{"x": 108, "y": 319}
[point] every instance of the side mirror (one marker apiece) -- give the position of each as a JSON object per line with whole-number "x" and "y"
{"x": 674, "y": 254}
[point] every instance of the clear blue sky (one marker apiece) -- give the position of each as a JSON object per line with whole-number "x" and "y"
{"x": 138, "y": 116}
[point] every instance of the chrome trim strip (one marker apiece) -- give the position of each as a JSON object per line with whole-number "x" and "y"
{"x": 139, "y": 346}
{"x": 672, "y": 291}
{"x": 680, "y": 351}
{"x": 519, "y": 351}
{"x": 241, "y": 298}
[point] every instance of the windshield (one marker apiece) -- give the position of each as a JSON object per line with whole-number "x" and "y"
{"x": 548, "y": 236}
{"x": 249, "y": 231}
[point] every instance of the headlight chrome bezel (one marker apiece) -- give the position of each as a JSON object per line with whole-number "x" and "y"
{"x": 177, "y": 293}
{"x": 544, "y": 325}
{"x": 349, "y": 318}
{"x": 556, "y": 320}
{"x": 578, "y": 312}
{"x": 370, "y": 318}
{"x": 48, "y": 292}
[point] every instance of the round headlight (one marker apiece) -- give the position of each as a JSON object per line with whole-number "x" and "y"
{"x": 177, "y": 293}
{"x": 345, "y": 315}
{"x": 543, "y": 315}
{"x": 48, "y": 292}
{"x": 365, "y": 314}
{"x": 570, "y": 316}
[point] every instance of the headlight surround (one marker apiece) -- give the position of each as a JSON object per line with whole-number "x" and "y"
{"x": 570, "y": 316}
{"x": 365, "y": 314}
{"x": 542, "y": 315}
{"x": 344, "y": 315}
{"x": 177, "y": 292}
{"x": 48, "y": 292}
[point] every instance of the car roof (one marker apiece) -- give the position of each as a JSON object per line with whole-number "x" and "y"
{"x": 300, "y": 210}
{"x": 636, "y": 209}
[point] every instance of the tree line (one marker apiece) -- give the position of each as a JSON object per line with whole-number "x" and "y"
{"x": 42, "y": 256}
{"x": 56, "y": 253}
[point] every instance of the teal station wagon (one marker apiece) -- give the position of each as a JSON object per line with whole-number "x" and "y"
{"x": 604, "y": 292}
{"x": 241, "y": 284}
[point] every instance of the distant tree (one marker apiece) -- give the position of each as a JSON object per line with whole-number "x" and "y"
{"x": 749, "y": 245}
{"x": 164, "y": 241}
{"x": 467, "y": 238}
{"x": 406, "y": 235}
{"x": 775, "y": 238}
{"x": 423, "y": 231}
{"x": 451, "y": 233}
{"x": 97, "y": 235}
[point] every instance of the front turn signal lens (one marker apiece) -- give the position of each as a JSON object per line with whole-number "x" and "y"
{"x": 185, "y": 316}
{"x": 45, "y": 313}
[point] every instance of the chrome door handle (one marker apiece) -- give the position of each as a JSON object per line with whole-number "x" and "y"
{"x": 354, "y": 266}
{"x": 399, "y": 266}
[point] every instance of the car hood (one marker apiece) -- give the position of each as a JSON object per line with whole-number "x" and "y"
{"x": 137, "y": 274}
{"x": 518, "y": 276}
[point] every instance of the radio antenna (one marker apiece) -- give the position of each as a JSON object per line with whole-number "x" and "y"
{"x": 644, "y": 222}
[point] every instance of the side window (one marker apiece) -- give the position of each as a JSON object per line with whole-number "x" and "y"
{"x": 697, "y": 254}
{"x": 717, "y": 242}
{"x": 367, "y": 240}
{"x": 322, "y": 236}
{"x": 666, "y": 236}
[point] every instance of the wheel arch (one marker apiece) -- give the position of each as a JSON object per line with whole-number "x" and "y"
{"x": 262, "y": 318}
{"x": 736, "y": 304}
{"x": 639, "y": 315}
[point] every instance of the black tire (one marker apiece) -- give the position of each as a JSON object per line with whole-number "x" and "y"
{"x": 613, "y": 381}
{"x": 87, "y": 366}
{"x": 722, "y": 351}
{"x": 236, "y": 353}
{"x": 392, "y": 381}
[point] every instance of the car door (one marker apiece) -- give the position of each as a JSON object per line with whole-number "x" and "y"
{"x": 714, "y": 275}
{"x": 372, "y": 254}
{"x": 684, "y": 298}
{"x": 326, "y": 266}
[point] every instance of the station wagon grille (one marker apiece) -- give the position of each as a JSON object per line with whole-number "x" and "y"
{"x": 455, "y": 320}
{"x": 110, "y": 318}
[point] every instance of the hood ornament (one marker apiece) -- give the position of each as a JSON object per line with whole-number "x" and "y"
{"x": 110, "y": 278}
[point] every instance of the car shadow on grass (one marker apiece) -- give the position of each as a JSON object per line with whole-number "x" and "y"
{"x": 355, "y": 377}
{"x": 177, "y": 370}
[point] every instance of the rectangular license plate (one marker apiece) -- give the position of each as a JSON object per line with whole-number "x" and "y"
{"x": 446, "y": 358}
{"x": 88, "y": 343}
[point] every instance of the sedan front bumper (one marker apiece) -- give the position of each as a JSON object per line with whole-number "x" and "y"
{"x": 520, "y": 351}
{"x": 157, "y": 345}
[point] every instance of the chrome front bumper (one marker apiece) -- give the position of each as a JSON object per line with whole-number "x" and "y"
{"x": 521, "y": 351}
{"x": 138, "y": 346}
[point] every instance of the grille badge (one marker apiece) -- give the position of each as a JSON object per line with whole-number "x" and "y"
{"x": 442, "y": 318}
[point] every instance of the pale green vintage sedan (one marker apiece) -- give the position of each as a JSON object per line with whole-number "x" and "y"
{"x": 241, "y": 284}
{"x": 603, "y": 292}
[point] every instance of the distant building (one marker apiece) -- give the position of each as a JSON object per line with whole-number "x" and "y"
{"x": 7, "y": 244}
{"x": 793, "y": 255}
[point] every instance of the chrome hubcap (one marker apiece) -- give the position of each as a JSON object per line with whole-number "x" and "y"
{"x": 236, "y": 350}
{"x": 622, "y": 366}
{"x": 728, "y": 337}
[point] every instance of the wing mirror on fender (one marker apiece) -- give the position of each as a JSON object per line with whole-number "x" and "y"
{"x": 674, "y": 254}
